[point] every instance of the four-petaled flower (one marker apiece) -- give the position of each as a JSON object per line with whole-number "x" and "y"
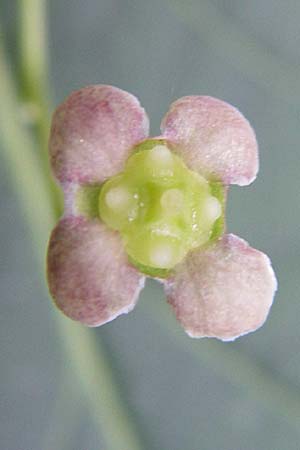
{"x": 137, "y": 207}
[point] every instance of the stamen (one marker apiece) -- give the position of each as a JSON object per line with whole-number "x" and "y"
{"x": 161, "y": 155}
{"x": 161, "y": 208}
{"x": 212, "y": 208}
{"x": 117, "y": 198}
{"x": 162, "y": 256}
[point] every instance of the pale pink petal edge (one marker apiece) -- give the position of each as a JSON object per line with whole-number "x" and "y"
{"x": 92, "y": 134}
{"x": 89, "y": 276}
{"x": 191, "y": 290}
{"x": 213, "y": 138}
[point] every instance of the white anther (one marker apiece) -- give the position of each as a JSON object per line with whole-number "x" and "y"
{"x": 212, "y": 208}
{"x": 172, "y": 200}
{"x": 117, "y": 198}
{"x": 162, "y": 256}
{"x": 160, "y": 154}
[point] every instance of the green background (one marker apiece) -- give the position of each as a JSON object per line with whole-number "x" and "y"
{"x": 178, "y": 393}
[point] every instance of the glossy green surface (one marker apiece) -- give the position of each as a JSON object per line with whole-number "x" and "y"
{"x": 161, "y": 208}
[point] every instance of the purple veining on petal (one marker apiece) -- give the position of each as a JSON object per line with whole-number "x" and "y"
{"x": 224, "y": 291}
{"x": 213, "y": 138}
{"x": 89, "y": 276}
{"x": 93, "y": 132}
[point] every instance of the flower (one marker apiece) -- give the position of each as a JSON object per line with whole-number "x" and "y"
{"x": 137, "y": 207}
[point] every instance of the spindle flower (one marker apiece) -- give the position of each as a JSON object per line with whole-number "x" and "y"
{"x": 138, "y": 206}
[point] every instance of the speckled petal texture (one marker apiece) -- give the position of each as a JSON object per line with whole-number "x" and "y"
{"x": 93, "y": 132}
{"x": 214, "y": 138}
{"x": 224, "y": 291}
{"x": 88, "y": 273}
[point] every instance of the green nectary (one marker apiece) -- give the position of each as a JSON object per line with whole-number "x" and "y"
{"x": 161, "y": 208}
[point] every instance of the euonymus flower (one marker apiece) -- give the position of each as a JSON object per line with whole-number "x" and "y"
{"x": 138, "y": 207}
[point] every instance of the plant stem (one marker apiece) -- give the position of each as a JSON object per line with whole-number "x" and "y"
{"x": 97, "y": 381}
{"x": 18, "y": 149}
{"x": 88, "y": 359}
{"x": 33, "y": 50}
{"x": 272, "y": 392}
{"x": 34, "y": 83}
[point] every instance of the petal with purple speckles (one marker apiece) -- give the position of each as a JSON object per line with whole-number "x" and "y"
{"x": 224, "y": 291}
{"x": 93, "y": 132}
{"x": 213, "y": 138}
{"x": 89, "y": 276}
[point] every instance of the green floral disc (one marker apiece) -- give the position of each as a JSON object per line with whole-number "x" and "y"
{"x": 161, "y": 208}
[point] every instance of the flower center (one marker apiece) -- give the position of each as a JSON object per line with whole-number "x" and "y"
{"x": 161, "y": 208}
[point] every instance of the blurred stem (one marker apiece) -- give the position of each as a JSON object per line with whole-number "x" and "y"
{"x": 33, "y": 74}
{"x": 262, "y": 385}
{"x": 34, "y": 190}
{"x": 97, "y": 380}
{"x": 18, "y": 147}
{"x": 33, "y": 51}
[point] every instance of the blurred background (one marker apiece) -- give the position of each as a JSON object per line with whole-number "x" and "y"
{"x": 139, "y": 383}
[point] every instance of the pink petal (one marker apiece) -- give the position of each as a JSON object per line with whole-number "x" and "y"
{"x": 93, "y": 132}
{"x": 224, "y": 291}
{"x": 213, "y": 138}
{"x": 88, "y": 273}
